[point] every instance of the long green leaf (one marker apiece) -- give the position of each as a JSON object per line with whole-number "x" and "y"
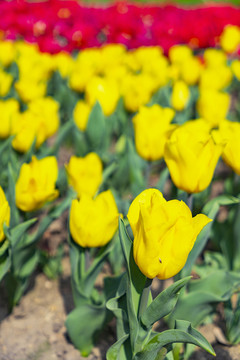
{"x": 210, "y": 209}
{"x": 164, "y": 303}
{"x": 184, "y": 333}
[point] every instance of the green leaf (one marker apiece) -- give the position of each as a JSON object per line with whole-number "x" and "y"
{"x": 203, "y": 296}
{"x": 5, "y": 259}
{"x": 210, "y": 209}
{"x": 14, "y": 220}
{"x": 114, "y": 352}
{"x": 96, "y": 127}
{"x": 15, "y": 234}
{"x": 135, "y": 285}
{"x": 183, "y": 333}
{"x": 84, "y": 325}
{"x": 164, "y": 303}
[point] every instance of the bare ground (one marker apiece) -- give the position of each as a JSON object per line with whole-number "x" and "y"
{"x": 35, "y": 330}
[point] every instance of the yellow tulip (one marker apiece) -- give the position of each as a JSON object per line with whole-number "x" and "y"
{"x": 36, "y": 183}
{"x": 190, "y": 70}
{"x": 81, "y": 114}
{"x": 46, "y": 111}
{"x": 5, "y": 82}
{"x": 215, "y": 78}
{"x": 8, "y": 110}
{"x": 105, "y": 91}
{"x": 152, "y": 128}
{"x": 4, "y": 213}
{"x": 178, "y": 54}
{"x": 7, "y": 52}
{"x": 85, "y": 174}
{"x": 236, "y": 68}
{"x": 191, "y": 154}
{"x": 136, "y": 90}
{"x": 230, "y": 38}
{"x": 93, "y": 222}
{"x": 29, "y": 90}
{"x": 25, "y": 130}
{"x": 180, "y": 95}
{"x": 214, "y": 58}
{"x": 164, "y": 233}
{"x": 207, "y": 109}
{"x": 231, "y": 132}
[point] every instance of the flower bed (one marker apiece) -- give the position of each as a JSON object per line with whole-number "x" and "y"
{"x": 68, "y": 25}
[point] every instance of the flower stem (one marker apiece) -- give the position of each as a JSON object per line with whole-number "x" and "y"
{"x": 144, "y": 297}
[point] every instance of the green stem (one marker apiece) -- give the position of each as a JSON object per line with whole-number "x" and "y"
{"x": 144, "y": 297}
{"x": 190, "y": 201}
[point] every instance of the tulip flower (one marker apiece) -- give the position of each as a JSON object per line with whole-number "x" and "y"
{"x": 231, "y": 132}
{"x": 93, "y": 222}
{"x": 180, "y": 95}
{"x": 105, "y": 91}
{"x": 152, "y": 128}
{"x": 8, "y": 110}
{"x": 5, "y": 82}
{"x": 85, "y": 174}
{"x": 81, "y": 114}
{"x": 164, "y": 233}
{"x": 230, "y": 38}
{"x": 4, "y": 213}
{"x": 207, "y": 109}
{"x": 36, "y": 183}
{"x": 191, "y": 154}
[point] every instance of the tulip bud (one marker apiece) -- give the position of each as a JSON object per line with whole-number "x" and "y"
{"x": 180, "y": 95}
{"x": 93, "y": 222}
{"x": 230, "y": 38}
{"x": 152, "y": 128}
{"x": 85, "y": 174}
{"x": 36, "y": 183}
{"x": 191, "y": 154}
{"x": 164, "y": 233}
{"x": 4, "y": 213}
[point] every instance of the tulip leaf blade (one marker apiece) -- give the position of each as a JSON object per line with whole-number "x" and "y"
{"x": 135, "y": 285}
{"x": 164, "y": 303}
{"x": 96, "y": 127}
{"x": 183, "y": 333}
{"x": 114, "y": 352}
{"x": 210, "y": 209}
{"x": 5, "y": 259}
{"x": 203, "y": 296}
{"x": 83, "y": 325}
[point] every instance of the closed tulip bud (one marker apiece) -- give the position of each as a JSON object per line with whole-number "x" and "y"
{"x": 45, "y": 111}
{"x": 36, "y": 183}
{"x": 236, "y": 68}
{"x": 230, "y": 38}
{"x": 190, "y": 70}
{"x": 85, "y": 174}
{"x": 29, "y": 90}
{"x": 164, "y": 233}
{"x": 231, "y": 153}
{"x": 191, "y": 154}
{"x": 207, "y": 109}
{"x": 8, "y": 110}
{"x": 214, "y": 58}
{"x": 81, "y": 114}
{"x": 178, "y": 54}
{"x": 180, "y": 95}
{"x": 215, "y": 78}
{"x": 4, "y": 213}
{"x": 105, "y": 91}
{"x": 5, "y": 82}
{"x": 93, "y": 222}
{"x": 152, "y": 128}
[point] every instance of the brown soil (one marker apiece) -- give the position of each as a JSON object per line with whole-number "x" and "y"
{"x": 35, "y": 330}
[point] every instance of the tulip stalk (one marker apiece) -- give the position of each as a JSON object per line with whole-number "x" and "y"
{"x": 136, "y": 313}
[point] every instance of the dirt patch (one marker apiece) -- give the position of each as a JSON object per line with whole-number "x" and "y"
{"x": 35, "y": 330}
